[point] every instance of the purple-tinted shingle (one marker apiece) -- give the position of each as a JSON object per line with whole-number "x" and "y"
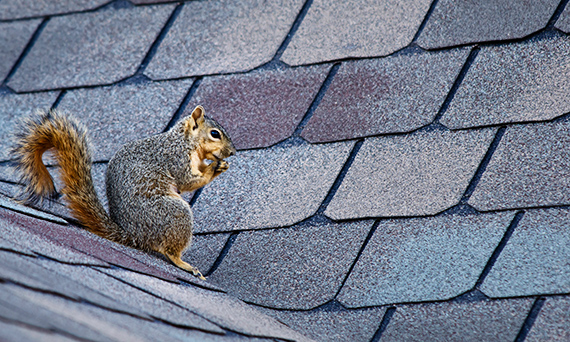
{"x": 261, "y": 108}
{"x": 386, "y": 95}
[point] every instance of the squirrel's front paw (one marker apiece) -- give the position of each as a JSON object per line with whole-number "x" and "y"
{"x": 221, "y": 166}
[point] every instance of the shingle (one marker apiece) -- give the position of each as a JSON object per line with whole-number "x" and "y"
{"x": 15, "y": 332}
{"x": 563, "y": 22}
{"x": 13, "y": 228}
{"x": 15, "y": 9}
{"x": 204, "y": 250}
{"x": 529, "y": 168}
{"x": 15, "y": 307}
{"x": 341, "y": 29}
{"x": 387, "y": 95}
{"x": 514, "y": 83}
{"x": 27, "y": 271}
{"x": 12, "y": 205}
{"x": 13, "y": 39}
{"x": 90, "y": 48}
{"x": 477, "y": 321}
{"x": 12, "y": 108}
{"x": 418, "y": 174}
{"x": 214, "y": 37}
{"x": 130, "y": 296}
{"x": 333, "y": 323}
{"x": 118, "y": 114}
{"x": 260, "y": 108}
{"x": 114, "y": 326}
{"x": 534, "y": 261}
{"x": 294, "y": 268}
{"x": 457, "y": 23}
{"x": 553, "y": 321}
{"x": 219, "y": 308}
{"x": 423, "y": 259}
{"x": 270, "y": 188}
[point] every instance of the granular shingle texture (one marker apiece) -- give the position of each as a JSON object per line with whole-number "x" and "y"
{"x": 521, "y": 82}
{"x": 216, "y": 307}
{"x": 211, "y": 37}
{"x": 381, "y": 28}
{"x": 204, "y": 250}
{"x": 529, "y": 168}
{"x": 294, "y": 268}
{"x": 563, "y": 22}
{"x": 14, "y": 36}
{"x": 77, "y": 50}
{"x": 411, "y": 175}
{"x": 463, "y": 22}
{"x": 260, "y": 109}
{"x": 15, "y": 107}
{"x": 14, "y": 9}
{"x": 385, "y": 95}
{"x": 423, "y": 259}
{"x": 270, "y": 188}
{"x": 333, "y": 323}
{"x": 553, "y": 321}
{"x": 491, "y": 321}
{"x": 535, "y": 259}
{"x": 116, "y": 115}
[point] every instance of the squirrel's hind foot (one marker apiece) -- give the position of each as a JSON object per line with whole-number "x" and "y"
{"x": 184, "y": 265}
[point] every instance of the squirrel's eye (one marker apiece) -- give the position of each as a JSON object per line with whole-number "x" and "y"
{"x": 215, "y": 134}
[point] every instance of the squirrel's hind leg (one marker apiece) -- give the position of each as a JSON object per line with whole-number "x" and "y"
{"x": 175, "y": 258}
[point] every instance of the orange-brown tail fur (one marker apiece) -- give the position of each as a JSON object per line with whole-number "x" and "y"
{"x": 53, "y": 130}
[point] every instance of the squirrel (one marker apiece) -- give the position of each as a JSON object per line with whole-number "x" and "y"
{"x": 143, "y": 181}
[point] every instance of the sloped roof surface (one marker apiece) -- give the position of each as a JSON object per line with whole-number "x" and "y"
{"x": 402, "y": 173}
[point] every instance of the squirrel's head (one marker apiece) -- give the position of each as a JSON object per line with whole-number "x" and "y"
{"x": 212, "y": 139}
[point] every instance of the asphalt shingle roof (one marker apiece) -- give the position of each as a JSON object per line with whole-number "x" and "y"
{"x": 402, "y": 172}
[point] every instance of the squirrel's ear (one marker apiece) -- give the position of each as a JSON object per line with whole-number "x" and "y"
{"x": 198, "y": 116}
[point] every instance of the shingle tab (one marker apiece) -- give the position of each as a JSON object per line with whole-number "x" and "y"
{"x": 520, "y": 82}
{"x": 387, "y": 95}
{"x": 332, "y": 323}
{"x": 15, "y": 9}
{"x": 341, "y": 29}
{"x": 261, "y": 108}
{"x": 218, "y": 308}
{"x": 535, "y": 259}
{"x": 529, "y": 168}
{"x": 462, "y": 322}
{"x": 13, "y": 108}
{"x": 77, "y": 50}
{"x": 13, "y": 39}
{"x": 563, "y": 22}
{"x": 118, "y": 114}
{"x": 457, "y": 23}
{"x": 419, "y": 174}
{"x": 16, "y": 332}
{"x": 204, "y": 250}
{"x": 295, "y": 268}
{"x": 270, "y": 188}
{"x": 423, "y": 259}
{"x": 553, "y": 321}
{"x": 131, "y": 296}
{"x": 211, "y": 37}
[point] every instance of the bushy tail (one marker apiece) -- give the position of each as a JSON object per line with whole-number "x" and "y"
{"x": 53, "y": 130}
